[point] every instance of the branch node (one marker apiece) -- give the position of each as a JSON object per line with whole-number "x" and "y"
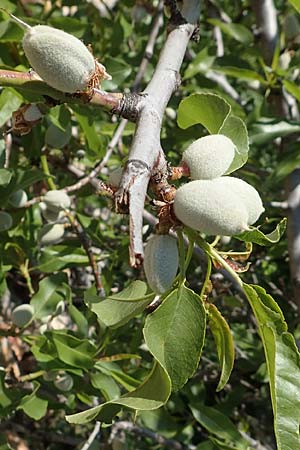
{"x": 129, "y": 106}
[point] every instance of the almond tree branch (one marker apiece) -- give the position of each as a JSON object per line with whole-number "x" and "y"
{"x": 145, "y": 154}
{"x": 30, "y": 81}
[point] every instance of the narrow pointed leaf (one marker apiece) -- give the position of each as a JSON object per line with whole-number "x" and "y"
{"x": 174, "y": 334}
{"x": 224, "y": 342}
{"x": 283, "y": 364}
{"x": 151, "y": 394}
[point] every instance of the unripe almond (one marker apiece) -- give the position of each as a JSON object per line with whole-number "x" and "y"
{"x": 64, "y": 382}
{"x": 209, "y": 157}
{"x": 22, "y": 314}
{"x": 57, "y": 138}
{"x": 161, "y": 262}
{"x": 5, "y": 221}
{"x": 249, "y": 196}
{"x": 51, "y": 234}
{"x": 60, "y": 59}
{"x": 207, "y": 206}
{"x": 56, "y": 200}
{"x": 18, "y": 198}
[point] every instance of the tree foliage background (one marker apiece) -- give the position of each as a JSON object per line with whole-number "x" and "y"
{"x": 67, "y": 360}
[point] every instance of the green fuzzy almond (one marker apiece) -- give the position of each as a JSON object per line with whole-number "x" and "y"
{"x": 59, "y": 58}
{"x": 6, "y": 221}
{"x": 57, "y": 200}
{"x": 161, "y": 262}
{"x": 207, "y": 206}
{"x": 22, "y": 315}
{"x": 209, "y": 157}
{"x": 51, "y": 234}
{"x": 249, "y": 196}
{"x": 18, "y": 199}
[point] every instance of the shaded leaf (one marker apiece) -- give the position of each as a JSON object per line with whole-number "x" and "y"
{"x": 34, "y": 406}
{"x": 235, "y": 30}
{"x": 10, "y": 101}
{"x": 219, "y": 425}
{"x": 267, "y": 130}
{"x": 45, "y": 300}
{"x": 240, "y": 73}
{"x": 295, "y": 4}
{"x": 5, "y": 177}
{"x": 71, "y": 350}
{"x": 174, "y": 334}
{"x": 224, "y": 342}
{"x": 151, "y": 394}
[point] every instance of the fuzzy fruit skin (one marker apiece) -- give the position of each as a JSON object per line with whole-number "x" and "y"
{"x": 209, "y": 157}
{"x": 56, "y": 200}
{"x": 18, "y": 199}
{"x": 161, "y": 262}
{"x": 249, "y": 196}
{"x": 207, "y": 206}
{"x": 51, "y": 234}
{"x": 6, "y": 221}
{"x": 59, "y": 58}
{"x": 22, "y": 314}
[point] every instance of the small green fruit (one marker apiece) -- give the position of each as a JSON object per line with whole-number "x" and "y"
{"x": 161, "y": 262}
{"x": 209, "y": 157}
{"x": 5, "y": 221}
{"x": 51, "y": 234}
{"x": 249, "y": 196}
{"x": 57, "y": 200}
{"x": 60, "y": 59}
{"x": 64, "y": 382}
{"x": 18, "y": 198}
{"x": 22, "y": 315}
{"x": 56, "y": 138}
{"x": 207, "y": 206}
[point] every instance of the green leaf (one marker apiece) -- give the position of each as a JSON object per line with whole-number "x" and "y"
{"x": 10, "y": 101}
{"x": 210, "y": 110}
{"x": 292, "y": 88}
{"x": 45, "y": 300}
{"x": 283, "y": 364}
{"x": 119, "y": 71}
{"x": 236, "y": 130}
{"x": 224, "y": 342}
{"x": 219, "y": 425}
{"x": 295, "y": 4}
{"x": 34, "y": 406}
{"x": 200, "y": 64}
{"x": 240, "y": 73}
{"x": 174, "y": 334}
{"x": 235, "y": 30}
{"x": 87, "y": 124}
{"x": 114, "y": 371}
{"x": 118, "y": 309}
{"x": 80, "y": 320}
{"x": 106, "y": 384}
{"x": 286, "y": 165}
{"x": 5, "y": 177}
{"x": 59, "y": 257}
{"x": 151, "y": 394}
{"x": 265, "y": 131}
{"x": 258, "y": 237}
{"x": 5, "y": 399}
{"x": 71, "y": 350}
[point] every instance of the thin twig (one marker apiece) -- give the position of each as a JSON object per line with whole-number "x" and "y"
{"x": 92, "y": 436}
{"x": 157, "y": 438}
{"x": 86, "y": 243}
